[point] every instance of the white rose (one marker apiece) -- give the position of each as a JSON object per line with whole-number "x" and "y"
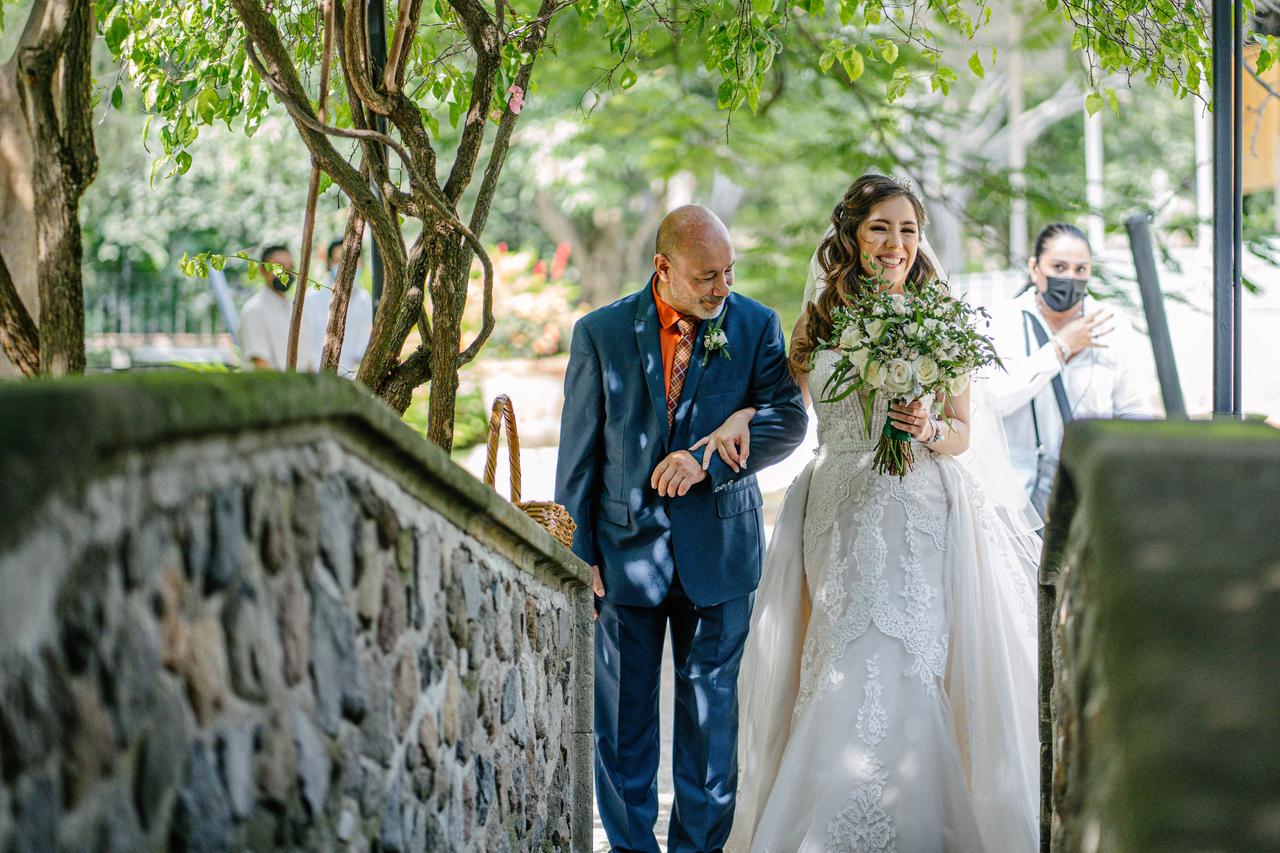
{"x": 850, "y": 338}
{"x": 912, "y": 329}
{"x": 874, "y": 374}
{"x": 875, "y": 329}
{"x": 956, "y": 385}
{"x": 898, "y": 377}
{"x": 931, "y": 324}
{"x": 899, "y": 303}
{"x": 926, "y": 371}
{"x": 859, "y": 358}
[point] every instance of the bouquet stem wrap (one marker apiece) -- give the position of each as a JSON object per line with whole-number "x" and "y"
{"x": 893, "y": 452}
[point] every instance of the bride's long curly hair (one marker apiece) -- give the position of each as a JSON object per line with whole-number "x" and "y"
{"x": 841, "y": 262}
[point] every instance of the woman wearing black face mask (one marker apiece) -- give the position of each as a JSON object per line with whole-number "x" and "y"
{"x": 1065, "y": 359}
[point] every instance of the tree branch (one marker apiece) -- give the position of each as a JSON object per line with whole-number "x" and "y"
{"x": 486, "y": 41}
{"x": 406, "y": 26}
{"x": 279, "y": 74}
{"x": 355, "y": 36}
{"x": 375, "y": 157}
{"x": 313, "y": 191}
{"x": 18, "y": 334}
{"x": 506, "y": 125}
{"x": 336, "y": 330}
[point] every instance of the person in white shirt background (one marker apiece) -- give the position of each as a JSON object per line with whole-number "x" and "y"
{"x": 264, "y": 320}
{"x": 1062, "y": 350}
{"x": 315, "y": 320}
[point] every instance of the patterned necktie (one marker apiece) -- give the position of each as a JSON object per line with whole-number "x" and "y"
{"x": 680, "y": 365}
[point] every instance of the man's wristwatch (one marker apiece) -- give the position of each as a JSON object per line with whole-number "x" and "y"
{"x": 937, "y": 432}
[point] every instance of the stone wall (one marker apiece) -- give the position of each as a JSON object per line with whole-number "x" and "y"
{"x": 259, "y": 613}
{"x": 1160, "y": 634}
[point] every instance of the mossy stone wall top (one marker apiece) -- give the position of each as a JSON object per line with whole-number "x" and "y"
{"x": 55, "y": 433}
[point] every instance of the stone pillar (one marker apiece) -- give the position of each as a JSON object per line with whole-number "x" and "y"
{"x": 1162, "y": 563}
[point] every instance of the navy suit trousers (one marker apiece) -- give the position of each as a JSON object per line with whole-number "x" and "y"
{"x": 707, "y": 645}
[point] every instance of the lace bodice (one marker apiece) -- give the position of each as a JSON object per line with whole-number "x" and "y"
{"x": 841, "y": 425}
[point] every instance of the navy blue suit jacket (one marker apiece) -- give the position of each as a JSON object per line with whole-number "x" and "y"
{"x": 613, "y": 434}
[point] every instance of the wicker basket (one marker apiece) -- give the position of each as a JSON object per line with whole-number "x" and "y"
{"x": 552, "y": 516}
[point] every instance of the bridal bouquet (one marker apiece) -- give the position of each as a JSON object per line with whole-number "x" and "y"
{"x": 906, "y": 347}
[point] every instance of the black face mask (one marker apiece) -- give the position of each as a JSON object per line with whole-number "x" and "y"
{"x": 1063, "y": 294}
{"x": 278, "y": 284}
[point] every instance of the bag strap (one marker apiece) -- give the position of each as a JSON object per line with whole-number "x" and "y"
{"x": 1059, "y": 389}
{"x": 502, "y": 411}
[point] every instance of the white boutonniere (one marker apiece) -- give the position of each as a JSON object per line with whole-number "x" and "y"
{"x": 714, "y": 340}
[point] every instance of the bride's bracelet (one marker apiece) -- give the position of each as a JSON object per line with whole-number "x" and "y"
{"x": 937, "y": 433}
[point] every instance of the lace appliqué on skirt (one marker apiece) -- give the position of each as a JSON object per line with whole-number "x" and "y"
{"x": 863, "y": 826}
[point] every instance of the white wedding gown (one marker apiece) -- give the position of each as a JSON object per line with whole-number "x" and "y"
{"x": 888, "y": 690}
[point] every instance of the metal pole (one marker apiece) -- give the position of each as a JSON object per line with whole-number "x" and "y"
{"x": 1223, "y": 211}
{"x": 378, "y": 62}
{"x": 1237, "y": 237}
{"x": 1144, "y": 263}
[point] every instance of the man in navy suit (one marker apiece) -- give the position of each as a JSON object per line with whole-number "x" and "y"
{"x": 671, "y": 542}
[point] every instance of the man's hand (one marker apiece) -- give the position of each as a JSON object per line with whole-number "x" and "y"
{"x": 677, "y": 474}
{"x": 597, "y": 586}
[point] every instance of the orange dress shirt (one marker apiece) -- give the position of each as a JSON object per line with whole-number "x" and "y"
{"x": 668, "y": 335}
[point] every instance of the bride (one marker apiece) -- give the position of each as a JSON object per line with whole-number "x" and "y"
{"x": 888, "y": 692}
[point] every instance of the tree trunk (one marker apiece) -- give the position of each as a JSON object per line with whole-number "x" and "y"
{"x": 18, "y": 336}
{"x": 53, "y": 79}
{"x": 58, "y": 252}
{"x": 448, "y": 298}
{"x": 19, "y": 305}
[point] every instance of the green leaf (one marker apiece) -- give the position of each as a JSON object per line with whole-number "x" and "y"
{"x": 116, "y": 34}
{"x": 724, "y": 95}
{"x": 1114, "y": 100}
{"x": 117, "y": 97}
{"x": 853, "y": 64}
{"x": 1193, "y": 78}
{"x": 889, "y": 50}
{"x": 628, "y": 79}
{"x": 183, "y": 160}
{"x": 1093, "y": 103}
{"x": 975, "y": 65}
{"x": 826, "y": 60}
{"x": 206, "y": 104}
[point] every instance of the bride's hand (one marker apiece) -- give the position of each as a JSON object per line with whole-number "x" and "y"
{"x": 732, "y": 440}
{"x": 912, "y": 418}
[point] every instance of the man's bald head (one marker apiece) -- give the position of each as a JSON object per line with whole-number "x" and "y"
{"x": 689, "y": 224}
{"x": 693, "y": 260}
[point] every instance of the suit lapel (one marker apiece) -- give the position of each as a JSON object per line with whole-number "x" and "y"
{"x": 648, "y": 329}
